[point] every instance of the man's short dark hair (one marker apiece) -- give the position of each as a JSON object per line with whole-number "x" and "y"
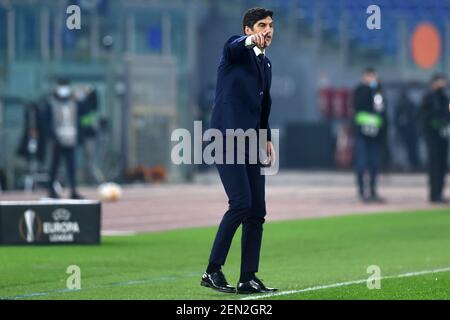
{"x": 63, "y": 81}
{"x": 253, "y": 15}
{"x": 438, "y": 76}
{"x": 370, "y": 70}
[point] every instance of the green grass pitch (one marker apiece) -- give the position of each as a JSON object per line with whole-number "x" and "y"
{"x": 295, "y": 255}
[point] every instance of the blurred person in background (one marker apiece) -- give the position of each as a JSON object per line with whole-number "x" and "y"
{"x": 3, "y": 185}
{"x": 370, "y": 124}
{"x": 32, "y": 145}
{"x": 435, "y": 114}
{"x": 205, "y": 102}
{"x": 88, "y": 107}
{"x": 406, "y": 124}
{"x": 243, "y": 83}
{"x": 62, "y": 119}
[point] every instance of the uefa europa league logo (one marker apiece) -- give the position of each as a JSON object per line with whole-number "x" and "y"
{"x": 30, "y": 226}
{"x": 30, "y": 216}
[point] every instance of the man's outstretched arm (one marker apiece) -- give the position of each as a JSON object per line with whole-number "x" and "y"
{"x": 237, "y": 46}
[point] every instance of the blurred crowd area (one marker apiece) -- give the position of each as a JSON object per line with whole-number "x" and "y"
{"x": 152, "y": 65}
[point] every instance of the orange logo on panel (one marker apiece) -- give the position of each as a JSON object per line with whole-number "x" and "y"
{"x": 426, "y": 45}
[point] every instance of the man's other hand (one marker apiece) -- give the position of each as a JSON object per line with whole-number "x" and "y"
{"x": 271, "y": 152}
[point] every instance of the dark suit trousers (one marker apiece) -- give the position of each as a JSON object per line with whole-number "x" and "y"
{"x": 367, "y": 157}
{"x": 245, "y": 187}
{"x": 437, "y": 148}
{"x": 69, "y": 154}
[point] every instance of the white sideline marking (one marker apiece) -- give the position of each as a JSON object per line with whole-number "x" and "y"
{"x": 342, "y": 284}
{"x": 103, "y": 286}
{"x": 118, "y": 233}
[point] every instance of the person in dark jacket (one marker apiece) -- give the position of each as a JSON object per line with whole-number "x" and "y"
{"x": 32, "y": 143}
{"x": 88, "y": 129}
{"x": 370, "y": 124}
{"x": 435, "y": 115}
{"x": 243, "y": 101}
{"x": 406, "y": 124}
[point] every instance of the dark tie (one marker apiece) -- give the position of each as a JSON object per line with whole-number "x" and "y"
{"x": 261, "y": 58}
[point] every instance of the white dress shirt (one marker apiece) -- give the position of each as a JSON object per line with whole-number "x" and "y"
{"x": 250, "y": 44}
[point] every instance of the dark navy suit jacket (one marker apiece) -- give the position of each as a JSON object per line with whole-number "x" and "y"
{"x": 242, "y": 98}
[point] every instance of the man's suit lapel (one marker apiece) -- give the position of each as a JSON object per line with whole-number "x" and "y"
{"x": 267, "y": 71}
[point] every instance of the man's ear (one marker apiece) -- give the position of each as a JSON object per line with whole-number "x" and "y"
{"x": 248, "y": 31}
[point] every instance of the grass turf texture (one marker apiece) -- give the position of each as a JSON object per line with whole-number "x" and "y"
{"x": 295, "y": 255}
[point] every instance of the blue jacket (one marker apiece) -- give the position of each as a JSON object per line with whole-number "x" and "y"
{"x": 242, "y": 98}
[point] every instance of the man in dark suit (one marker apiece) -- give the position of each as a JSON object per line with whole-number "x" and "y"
{"x": 243, "y": 101}
{"x": 435, "y": 114}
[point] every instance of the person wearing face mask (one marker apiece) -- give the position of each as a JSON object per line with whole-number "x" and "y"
{"x": 435, "y": 115}
{"x": 370, "y": 124}
{"x": 63, "y": 124}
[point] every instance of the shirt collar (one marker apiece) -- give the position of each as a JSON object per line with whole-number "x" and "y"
{"x": 258, "y": 51}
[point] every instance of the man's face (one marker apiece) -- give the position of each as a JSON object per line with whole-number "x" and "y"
{"x": 263, "y": 25}
{"x": 370, "y": 77}
{"x": 439, "y": 84}
{"x": 63, "y": 91}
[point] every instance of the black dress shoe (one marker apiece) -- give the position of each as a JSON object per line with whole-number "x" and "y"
{"x": 439, "y": 201}
{"x": 76, "y": 196}
{"x": 364, "y": 199}
{"x": 263, "y": 287}
{"x": 53, "y": 194}
{"x": 249, "y": 287}
{"x": 217, "y": 281}
{"x": 376, "y": 199}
